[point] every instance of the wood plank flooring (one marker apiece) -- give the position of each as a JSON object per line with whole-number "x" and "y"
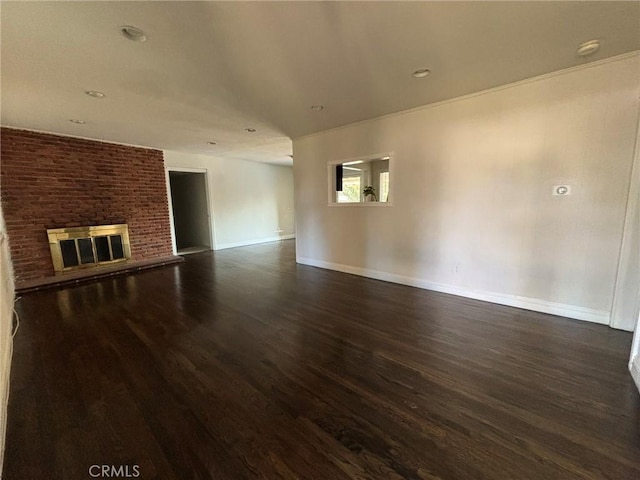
{"x": 240, "y": 364}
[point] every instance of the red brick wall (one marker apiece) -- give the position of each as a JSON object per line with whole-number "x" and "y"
{"x": 48, "y": 181}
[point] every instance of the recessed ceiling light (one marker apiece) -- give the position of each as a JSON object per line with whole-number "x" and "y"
{"x": 211, "y": 143}
{"x": 79, "y": 122}
{"x": 94, "y": 94}
{"x": 423, "y": 72}
{"x": 133, "y": 33}
{"x": 317, "y": 108}
{"x": 587, "y": 48}
{"x": 250, "y": 130}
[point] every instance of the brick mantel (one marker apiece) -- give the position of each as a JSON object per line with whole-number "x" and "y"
{"x": 50, "y": 181}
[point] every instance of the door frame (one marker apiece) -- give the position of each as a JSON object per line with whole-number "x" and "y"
{"x": 204, "y": 171}
{"x": 627, "y": 284}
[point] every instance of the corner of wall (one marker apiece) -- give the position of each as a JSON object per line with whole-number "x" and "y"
{"x": 626, "y": 300}
{"x": 6, "y": 335}
{"x": 635, "y": 370}
{"x": 634, "y": 358}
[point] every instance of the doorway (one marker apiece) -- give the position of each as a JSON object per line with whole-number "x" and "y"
{"x": 190, "y": 209}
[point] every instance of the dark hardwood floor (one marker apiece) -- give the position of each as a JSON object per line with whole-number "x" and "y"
{"x": 241, "y": 364}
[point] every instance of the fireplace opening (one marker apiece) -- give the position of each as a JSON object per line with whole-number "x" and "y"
{"x": 84, "y": 247}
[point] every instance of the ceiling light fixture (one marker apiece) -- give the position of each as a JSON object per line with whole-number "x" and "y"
{"x": 95, "y": 94}
{"x": 251, "y": 130}
{"x": 133, "y": 33}
{"x": 317, "y": 108}
{"x": 79, "y": 122}
{"x": 423, "y": 72}
{"x": 587, "y": 48}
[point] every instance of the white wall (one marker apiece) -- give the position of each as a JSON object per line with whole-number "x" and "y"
{"x": 249, "y": 201}
{"x": 6, "y": 341}
{"x": 472, "y": 190}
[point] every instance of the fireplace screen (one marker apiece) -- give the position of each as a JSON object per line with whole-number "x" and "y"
{"x": 83, "y": 247}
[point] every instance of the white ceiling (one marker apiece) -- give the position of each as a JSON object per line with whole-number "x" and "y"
{"x": 211, "y": 69}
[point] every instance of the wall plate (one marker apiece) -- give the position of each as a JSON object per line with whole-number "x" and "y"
{"x": 561, "y": 190}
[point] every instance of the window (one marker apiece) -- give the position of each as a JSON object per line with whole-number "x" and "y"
{"x": 384, "y": 186}
{"x": 351, "y": 188}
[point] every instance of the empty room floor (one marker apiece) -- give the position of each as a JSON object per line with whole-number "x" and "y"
{"x": 241, "y": 364}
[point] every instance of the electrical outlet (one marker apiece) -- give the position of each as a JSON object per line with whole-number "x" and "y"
{"x": 456, "y": 269}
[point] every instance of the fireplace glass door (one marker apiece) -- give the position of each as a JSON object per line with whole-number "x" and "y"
{"x": 82, "y": 247}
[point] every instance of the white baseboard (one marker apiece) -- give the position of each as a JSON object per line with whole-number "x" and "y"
{"x": 634, "y": 368}
{"x": 537, "y": 305}
{"x": 245, "y": 243}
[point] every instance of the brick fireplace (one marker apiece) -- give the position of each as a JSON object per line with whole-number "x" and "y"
{"x": 50, "y": 182}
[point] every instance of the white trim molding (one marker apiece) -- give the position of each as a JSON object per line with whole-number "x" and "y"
{"x": 167, "y": 170}
{"x": 634, "y": 358}
{"x": 245, "y": 243}
{"x": 174, "y": 246}
{"x": 626, "y": 298}
{"x": 634, "y": 368}
{"x": 534, "y": 304}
